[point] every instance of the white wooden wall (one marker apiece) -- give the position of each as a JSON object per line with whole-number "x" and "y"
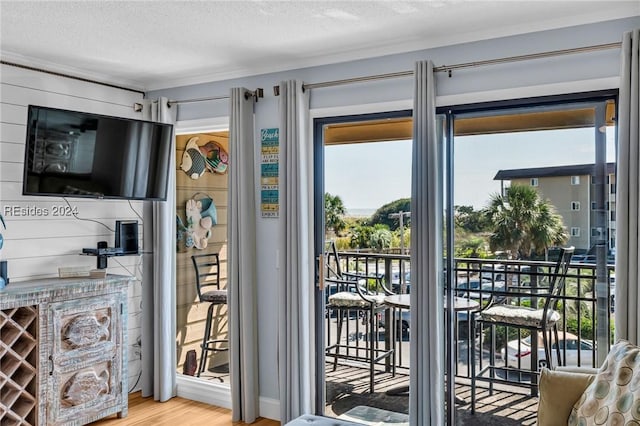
{"x": 36, "y": 245}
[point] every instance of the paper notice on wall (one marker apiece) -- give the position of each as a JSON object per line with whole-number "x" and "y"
{"x": 269, "y": 172}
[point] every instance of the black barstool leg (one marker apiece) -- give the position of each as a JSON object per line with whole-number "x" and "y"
{"x": 546, "y": 334}
{"x": 372, "y": 350}
{"x": 492, "y": 351}
{"x": 338, "y": 337}
{"x": 205, "y": 340}
{"x": 471, "y": 325}
{"x": 555, "y": 333}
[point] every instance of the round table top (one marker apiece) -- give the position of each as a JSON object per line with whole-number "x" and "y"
{"x": 459, "y": 303}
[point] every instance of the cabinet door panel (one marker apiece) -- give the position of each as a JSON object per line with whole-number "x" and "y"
{"x": 86, "y": 357}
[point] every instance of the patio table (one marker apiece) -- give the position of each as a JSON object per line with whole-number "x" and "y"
{"x": 402, "y": 301}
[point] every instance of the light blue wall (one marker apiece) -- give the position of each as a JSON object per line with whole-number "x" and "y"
{"x": 566, "y": 69}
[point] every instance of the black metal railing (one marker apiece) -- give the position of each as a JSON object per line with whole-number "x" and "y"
{"x": 481, "y": 279}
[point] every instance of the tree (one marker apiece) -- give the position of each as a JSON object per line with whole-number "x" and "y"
{"x": 522, "y": 223}
{"x": 471, "y": 247}
{"x": 382, "y": 214}
{"x": 406, "y": 237}
{"x": 380, "y": 238}
{"x": 470, "y": 220}
{"x": 334, "y": 212}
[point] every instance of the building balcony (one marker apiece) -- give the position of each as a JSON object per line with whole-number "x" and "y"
{"x": 348, "y": 385}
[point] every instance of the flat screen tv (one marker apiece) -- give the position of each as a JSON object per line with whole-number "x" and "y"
{"x": 79, "y": 154}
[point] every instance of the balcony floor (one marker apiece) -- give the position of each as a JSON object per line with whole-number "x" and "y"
{"x": 348, "y": 387}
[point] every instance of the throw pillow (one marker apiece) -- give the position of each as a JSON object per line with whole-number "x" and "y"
{"x": 614, "y": 396}
{"x": 559, "y": 390}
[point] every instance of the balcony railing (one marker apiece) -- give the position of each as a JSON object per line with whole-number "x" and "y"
{"x": 479, "y": 279}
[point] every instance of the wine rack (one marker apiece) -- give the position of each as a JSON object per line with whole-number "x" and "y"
{"x": 19, "y": 366}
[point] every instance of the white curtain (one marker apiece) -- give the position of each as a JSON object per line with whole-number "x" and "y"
{"x": 627, "y": 297}
{"x": 158, "y": 334}
{"x": 426, "y": 403}
{"x": 296, "y": 351}
{"x": 241, "y": 268}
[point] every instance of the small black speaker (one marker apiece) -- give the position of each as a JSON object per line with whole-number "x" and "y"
{"x": 127, "y": 236}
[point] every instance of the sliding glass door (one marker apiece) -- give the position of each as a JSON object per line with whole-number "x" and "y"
{"x": 529, "y": 177}
{"x": 558, "y": 153}
{"x": 363, "y": 222}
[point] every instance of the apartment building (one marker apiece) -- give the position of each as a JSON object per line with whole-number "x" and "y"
{"x": 571, "y": 190}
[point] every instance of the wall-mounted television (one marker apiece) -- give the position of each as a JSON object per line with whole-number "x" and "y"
{"x": 80, "y": 154}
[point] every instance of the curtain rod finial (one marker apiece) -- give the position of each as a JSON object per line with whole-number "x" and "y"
{"x": 256, "y": 94}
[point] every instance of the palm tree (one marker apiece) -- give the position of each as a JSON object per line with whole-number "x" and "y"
{"x": 334, "y": 212}
{"x": 380, "y": 238}
{"x": 522, "y": 223}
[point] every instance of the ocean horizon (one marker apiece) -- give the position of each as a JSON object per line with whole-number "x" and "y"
{"x": 360, "y": 212}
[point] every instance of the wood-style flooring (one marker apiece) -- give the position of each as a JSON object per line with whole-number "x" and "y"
{"x": 175, "y": 412}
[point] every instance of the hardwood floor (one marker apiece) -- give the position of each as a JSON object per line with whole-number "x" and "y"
{"x": 175, "y": 412}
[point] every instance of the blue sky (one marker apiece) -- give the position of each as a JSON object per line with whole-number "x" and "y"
{"x": 367, "y": 176}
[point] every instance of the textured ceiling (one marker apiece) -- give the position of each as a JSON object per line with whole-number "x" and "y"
{"x": 156, "y": 44}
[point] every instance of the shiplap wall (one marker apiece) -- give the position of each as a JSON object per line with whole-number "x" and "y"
{"x": 36, "y": 245}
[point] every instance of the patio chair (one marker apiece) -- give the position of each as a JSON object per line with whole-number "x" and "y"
{"x": 207, "y": 269}
{"x": 537, "y": 320}
{"x": 350, "y": 297}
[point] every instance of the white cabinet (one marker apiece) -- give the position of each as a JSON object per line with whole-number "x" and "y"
{"x": 63, "y": 351}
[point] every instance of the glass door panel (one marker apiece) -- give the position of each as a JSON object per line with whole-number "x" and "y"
{"x": 526, "y": 181}
{"x": 362, "y": 239}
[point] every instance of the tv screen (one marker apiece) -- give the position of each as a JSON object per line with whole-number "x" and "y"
{"x": 79, "y": 154}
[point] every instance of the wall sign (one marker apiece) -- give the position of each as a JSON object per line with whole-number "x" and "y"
{"x": 269, "y": 172}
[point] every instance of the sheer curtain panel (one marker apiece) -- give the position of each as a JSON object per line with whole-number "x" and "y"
{"x": 158, "y": 334}
{"x": 296, "y": 351}
{"x": 627, "y": 297}
{"x": 242, "y": 286}
{"x": 426, "y": 384}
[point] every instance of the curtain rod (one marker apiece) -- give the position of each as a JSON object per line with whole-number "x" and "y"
{"x": 188, "y": 101}
{"x": 450, "y": 68}
{"x": 255, "y": 94}
{"x": 59, "y": 74}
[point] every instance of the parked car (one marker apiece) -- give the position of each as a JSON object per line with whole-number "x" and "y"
{"x": 404, "y": 319}
{"x": 522, "y": 351}
{"x": 591, "y": 259}
{"x": 395, "y": 281}
{"x": 583, "y": 259}
{"x": 612, "y": 291}
{"x": 471, "y": 287}
{"x": 493, "y": 272}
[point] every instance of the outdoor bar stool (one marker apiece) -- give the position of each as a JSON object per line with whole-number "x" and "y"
{"x": 367, "y": 306}
{"x": 539, "y": 321}
{"x": 349, "y": 296}
{"x": 207, "y": 268}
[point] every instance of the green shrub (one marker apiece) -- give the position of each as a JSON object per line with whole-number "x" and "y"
{"x": 586, "y": 326}
{"x": 343, "y": 243}
{"x": 501, "y": 337}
